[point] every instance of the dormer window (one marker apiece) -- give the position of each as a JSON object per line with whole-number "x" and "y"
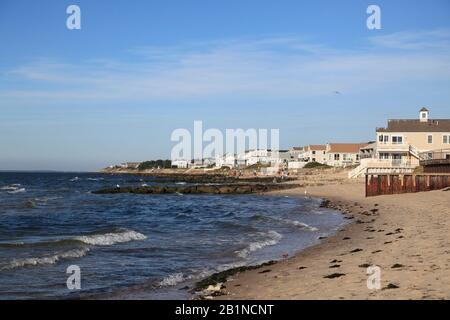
{"x": 423, "y": 115}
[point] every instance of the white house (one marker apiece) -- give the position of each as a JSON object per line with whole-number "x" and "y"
{"x": 343, "y": 154}
{"x": 252, "y": 157}
{"x": 314, "y": 153}
{"x": 181, "y": 164}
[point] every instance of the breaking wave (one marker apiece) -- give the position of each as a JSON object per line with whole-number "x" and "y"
{"x": 172, "y": 280}
{"x": 45, "y": 260}
{"x": 13, "y": 188}
{"x": 108, "y": 239}
{"x": 274, "y": 238}
{"x": 294, "y": 223}
{"x": 297, "y": 224}
{"x": 101, "y": 239}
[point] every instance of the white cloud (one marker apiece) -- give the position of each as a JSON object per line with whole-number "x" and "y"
{"x": 281, "y": 66}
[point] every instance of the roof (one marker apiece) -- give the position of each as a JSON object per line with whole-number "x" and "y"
{"x": 345, "y": 147}
{"x": 297, "y": 148}
{"x": 410, "y": 125}
{"x": 423, "y": 109}
{"x": 316, "y": 147}
{"x": 370, "y": 145}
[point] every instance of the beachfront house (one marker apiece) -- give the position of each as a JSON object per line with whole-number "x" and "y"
{"x": 277, "y": 157}
{"x": 314, "y": 153}
{"x": 253, "y": 157}
{"x": 403, "y": 143}
{"x": 295, "y": 153}
{"x": 181, "y": 164}
{"x": 130, "y": 165}
{"x": 343, "y": 154}
{"x": 229, "y": 160}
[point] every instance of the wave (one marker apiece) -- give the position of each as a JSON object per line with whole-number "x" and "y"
{"x": 274, "y": 238}
{"x": 100, "y": 239}
{"x": 108, "y": 239}
{"x": 172, "y": 280}
{"x": 294, "y": 223}
{"x": 18, "y": 190}
{"x": 298, "y": 224}
{"x": 13, "y": 188}
{"x": 45, "y": 260}
{"x": 75, "y": 179}
{"x": 95, "y": 179}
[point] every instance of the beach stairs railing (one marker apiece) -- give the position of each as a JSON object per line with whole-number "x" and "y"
{"x": 382, "y": 166}
{"x": 414, "y": 152}
{"x": 359, "y": 171}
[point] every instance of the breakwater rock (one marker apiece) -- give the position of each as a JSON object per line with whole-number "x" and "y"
{"x": 238, "y": 188}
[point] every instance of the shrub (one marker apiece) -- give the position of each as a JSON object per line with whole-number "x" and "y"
{"x": 310, "y": 165}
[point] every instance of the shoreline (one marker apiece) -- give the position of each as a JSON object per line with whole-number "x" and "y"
{"x": 405, "y": 235}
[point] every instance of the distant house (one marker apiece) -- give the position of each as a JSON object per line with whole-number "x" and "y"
{"x": 295, "y": 153}
{"x": 343, "y": 154}
{"x": 314, "y": 153}
{"x": 277, "y": 157}
{"x": 181, "y": 164}
{"x": 403, "y": 143}
{"x": 130, "y": 165}
{"x": 227, "y": 160}
{"x": 252, "y": 157}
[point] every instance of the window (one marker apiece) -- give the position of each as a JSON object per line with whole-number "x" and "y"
{"x": 446, "y": 139}
{"x": 336, "y": 156}
{"x": 397, "y": 139}
{"x": 313, "y": 152}
{"x": 357, "y": 157}
{"x": 430, "y": 138}
{"x": 383, "y": 138}
{"x": 314, "y": 159}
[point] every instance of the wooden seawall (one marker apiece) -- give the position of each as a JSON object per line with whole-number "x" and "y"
{"x": 380, "y": 184}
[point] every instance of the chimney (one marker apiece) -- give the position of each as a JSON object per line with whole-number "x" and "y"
{"x": 423, "y": 115}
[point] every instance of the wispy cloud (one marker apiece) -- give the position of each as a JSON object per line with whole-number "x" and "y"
{"x": 281, "y": 66}
{"x": 420, "y": 40}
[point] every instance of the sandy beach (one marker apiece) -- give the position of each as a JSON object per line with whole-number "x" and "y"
{"x": 407, "y": 236}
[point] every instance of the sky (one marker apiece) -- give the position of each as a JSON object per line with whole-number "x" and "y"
{"x": 115, "y": 90}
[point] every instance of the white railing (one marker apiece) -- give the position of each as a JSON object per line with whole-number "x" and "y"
{"x": 382, "y": 164}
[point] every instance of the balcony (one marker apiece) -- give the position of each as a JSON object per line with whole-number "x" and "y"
{"x": 435, "y": 157}
{"x": 392, "y": 147}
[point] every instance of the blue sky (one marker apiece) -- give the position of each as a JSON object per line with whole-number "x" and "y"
{"x": 116, "y": 89}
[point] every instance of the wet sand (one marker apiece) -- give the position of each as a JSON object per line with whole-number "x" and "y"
{"x": 407, "y": 236}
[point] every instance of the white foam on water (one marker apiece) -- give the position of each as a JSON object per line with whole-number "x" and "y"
{"x": 17, "y": 190}
{"x": 172, "y": 280}
{"x": 298, "y": 224}
{"x": 26, "y": 262}
{"x": 274, "y": 238}
{"x": 108, "y": 239}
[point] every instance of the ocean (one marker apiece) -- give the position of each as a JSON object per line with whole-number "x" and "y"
{"x": 130, "y": 246}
